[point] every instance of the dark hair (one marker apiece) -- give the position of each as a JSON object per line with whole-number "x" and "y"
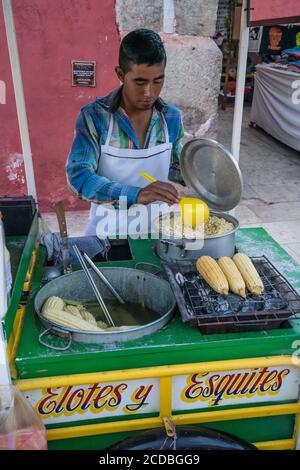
{"x": 141, "y": 46}
{"x": 277, "y": 26}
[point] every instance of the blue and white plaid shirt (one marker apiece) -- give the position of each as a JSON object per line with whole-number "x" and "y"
{"x": 91, "y": 132}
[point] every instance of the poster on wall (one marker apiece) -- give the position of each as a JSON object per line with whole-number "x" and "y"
{"x": 255, "y": 34}
{"x": 277, "y": 38}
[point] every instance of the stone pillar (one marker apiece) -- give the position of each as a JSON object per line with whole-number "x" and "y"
{"x": 194, "y": 62}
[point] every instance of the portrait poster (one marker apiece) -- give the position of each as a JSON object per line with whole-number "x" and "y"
{"x": 275, "y": 39}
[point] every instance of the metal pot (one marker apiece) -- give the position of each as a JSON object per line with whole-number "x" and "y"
{"x": 133, "y": 285}
{"x": 170, "y": 249}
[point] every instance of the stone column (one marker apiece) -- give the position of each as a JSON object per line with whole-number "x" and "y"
{"x": 194, "y": 62}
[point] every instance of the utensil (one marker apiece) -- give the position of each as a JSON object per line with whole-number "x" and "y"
{"x": 211, "y": 170}
{"x": 93, "y": 286}
{"x": 102, "y": 277}
{"x": 193, "y": 210}
{"x": 50, "y": 273}
{"x": 60, "y": 213}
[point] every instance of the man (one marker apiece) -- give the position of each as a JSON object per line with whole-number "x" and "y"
{"x": 275, "y": 37}
{"x": 128, "y": 131}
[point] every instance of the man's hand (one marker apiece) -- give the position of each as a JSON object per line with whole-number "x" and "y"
{"x": 158, "y": 191}
{"x": 184, "y": 191}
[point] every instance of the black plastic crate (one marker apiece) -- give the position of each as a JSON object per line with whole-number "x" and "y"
{"x": 17, "y": 214}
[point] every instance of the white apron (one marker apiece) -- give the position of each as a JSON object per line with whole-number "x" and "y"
{"x": 124, "y": 166}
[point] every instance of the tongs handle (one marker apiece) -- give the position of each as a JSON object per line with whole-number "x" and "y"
{"x": 102, "y": 277}
{"x": 93, "y": 286}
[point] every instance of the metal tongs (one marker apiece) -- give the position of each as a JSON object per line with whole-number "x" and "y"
{"x": 93, "y": 285}
{"x": 102, "y": 277}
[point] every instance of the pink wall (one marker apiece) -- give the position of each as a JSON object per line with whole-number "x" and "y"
{"x": 50, "y": 35}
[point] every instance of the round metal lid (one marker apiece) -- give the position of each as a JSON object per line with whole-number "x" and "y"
{"x": 212, "y": 172}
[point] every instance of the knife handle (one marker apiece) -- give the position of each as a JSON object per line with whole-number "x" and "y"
{"x": 60, "y": 213}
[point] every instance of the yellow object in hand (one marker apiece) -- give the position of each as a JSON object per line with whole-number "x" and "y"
{"x": 147, "y": 177}
{"x": 194, "y": 212}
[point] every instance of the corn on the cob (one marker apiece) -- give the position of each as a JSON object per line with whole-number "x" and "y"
{"x": 53, "y": 302}
{"x": 233, "y": 276}
{"x": 87, "y": 316}
{"x": 248, "y": 271}
{"x": 73, "y": 310}
{"x": 102, "y": 325}
{"x": 212, "y": 274}
{"x": 76, "y": 303}
{"x": 62, "y": 318}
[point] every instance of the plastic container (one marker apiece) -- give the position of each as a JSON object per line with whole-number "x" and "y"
{"x": 20, "y": 426}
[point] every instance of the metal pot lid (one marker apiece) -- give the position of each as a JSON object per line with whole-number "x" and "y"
{"x": 212, "y": 172}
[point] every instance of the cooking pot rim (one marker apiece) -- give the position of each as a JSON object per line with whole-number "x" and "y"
{"x": 224, "y": 215}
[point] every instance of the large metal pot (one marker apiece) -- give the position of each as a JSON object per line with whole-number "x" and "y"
{"x": 170, "y": 249}
{"x": 133, "y": 285}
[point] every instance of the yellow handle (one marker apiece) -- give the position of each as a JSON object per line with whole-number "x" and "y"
{"x": 147, "y": 177}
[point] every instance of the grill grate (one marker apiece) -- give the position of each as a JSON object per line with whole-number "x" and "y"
{"x": 215, "y": 313}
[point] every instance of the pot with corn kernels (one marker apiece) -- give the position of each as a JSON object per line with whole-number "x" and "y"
{"x": 215, "y": 237}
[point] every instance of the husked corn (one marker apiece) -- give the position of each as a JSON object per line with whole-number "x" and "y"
{"x": 73, "y": 310}
{"x": 53, "y": 302}
{"x": 62, "y": 318}
{"x": 87, "y": 316}
{"x": 248, "y": 271}
{"x": 233, "y": 276}
{"x": 212, "y": 274}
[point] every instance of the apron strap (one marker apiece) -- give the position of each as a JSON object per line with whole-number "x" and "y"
{"x": 166, "y": 130}
{"x": 110, "y": 128}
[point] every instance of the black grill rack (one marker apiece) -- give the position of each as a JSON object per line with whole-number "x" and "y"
{"x": 215, "y": 313}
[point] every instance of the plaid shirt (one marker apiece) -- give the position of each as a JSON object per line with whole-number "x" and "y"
{"x": 91, "y": 132}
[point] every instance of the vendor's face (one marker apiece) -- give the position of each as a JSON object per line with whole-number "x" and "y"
{"x": 142, "y": 84}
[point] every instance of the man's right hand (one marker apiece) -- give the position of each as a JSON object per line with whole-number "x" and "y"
{"x": 158, "y": 191}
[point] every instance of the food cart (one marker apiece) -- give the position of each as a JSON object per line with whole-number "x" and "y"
{"x": 91, "y": 396}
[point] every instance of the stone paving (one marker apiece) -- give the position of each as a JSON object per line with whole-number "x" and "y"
{"x": 271, "y": 173}
{"x": 271, "y": 197}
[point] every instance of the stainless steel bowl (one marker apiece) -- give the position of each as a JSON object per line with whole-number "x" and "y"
{"x": 133, "y": 285}
{"x": 170, "y": 248}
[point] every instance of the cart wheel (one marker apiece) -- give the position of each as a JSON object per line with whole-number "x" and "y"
{"x": 187, "y": 438}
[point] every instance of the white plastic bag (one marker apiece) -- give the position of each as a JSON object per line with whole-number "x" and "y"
{"x": 20, "y": 426}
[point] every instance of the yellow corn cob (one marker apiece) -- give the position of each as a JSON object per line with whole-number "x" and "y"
{"x": 250, "y": 275}
{"x": 233, "y": 276}
{"x": 53, "y": 302}
{"x": 62, "y": 318}
{"x": 212, "y": 274}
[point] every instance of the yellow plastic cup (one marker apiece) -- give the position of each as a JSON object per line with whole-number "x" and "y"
{"x": 194, "y": 211}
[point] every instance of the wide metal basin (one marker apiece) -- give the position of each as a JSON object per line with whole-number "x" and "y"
{"x": 133, "y": 285}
